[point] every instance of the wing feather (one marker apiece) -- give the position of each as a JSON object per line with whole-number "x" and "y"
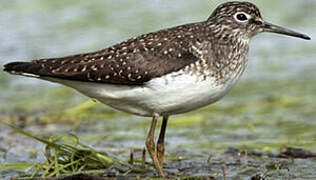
{"x": 132, "y": 62}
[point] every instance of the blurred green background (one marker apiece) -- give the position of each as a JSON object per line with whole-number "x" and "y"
{"x": 273, "y": 105}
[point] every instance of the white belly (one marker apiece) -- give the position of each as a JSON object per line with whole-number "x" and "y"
{"x": 172, "y": 94}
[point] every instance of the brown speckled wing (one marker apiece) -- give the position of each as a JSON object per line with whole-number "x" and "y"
{"x": 131, "y": 62}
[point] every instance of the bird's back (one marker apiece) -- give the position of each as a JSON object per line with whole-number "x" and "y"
{"x": 132, "y": 62}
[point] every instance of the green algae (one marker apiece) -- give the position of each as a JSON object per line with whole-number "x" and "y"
{"x": 63, "y": 156}
{"x": 17, "y": 166}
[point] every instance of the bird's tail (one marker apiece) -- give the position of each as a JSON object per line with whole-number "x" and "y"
{"x": 23, "y": 68}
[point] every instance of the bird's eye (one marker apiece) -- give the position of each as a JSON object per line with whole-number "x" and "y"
{"x": 241, "y": 17}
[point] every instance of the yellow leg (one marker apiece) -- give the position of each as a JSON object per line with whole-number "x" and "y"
{"x": 161, "y": 141}
{"x": 150, "y": 144}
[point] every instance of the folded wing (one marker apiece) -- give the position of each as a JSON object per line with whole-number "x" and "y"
{"x": 132, "y": 62}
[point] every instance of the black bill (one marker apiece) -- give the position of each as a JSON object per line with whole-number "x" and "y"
{"x": 268, "y": 27}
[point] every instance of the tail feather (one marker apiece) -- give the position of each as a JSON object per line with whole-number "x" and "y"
{"x": 23, "y": 68}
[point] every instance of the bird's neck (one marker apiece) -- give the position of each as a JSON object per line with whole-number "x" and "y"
{"x": 229, "y": 52}
{"x": 225, "y": 33}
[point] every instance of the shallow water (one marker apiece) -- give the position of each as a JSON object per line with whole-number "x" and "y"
{"x": 273, "y": 106}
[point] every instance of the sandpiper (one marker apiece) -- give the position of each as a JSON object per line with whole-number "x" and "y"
{"x": 163, "y": 73}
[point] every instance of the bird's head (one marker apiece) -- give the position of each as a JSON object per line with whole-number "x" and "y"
{"x": 244, "y": 19}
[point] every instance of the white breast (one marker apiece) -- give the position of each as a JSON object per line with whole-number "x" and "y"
{"x": 174, "y": 93}
{"x": 179, "y": 92}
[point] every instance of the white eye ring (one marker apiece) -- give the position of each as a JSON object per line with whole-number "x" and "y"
{"x": 241, "y": 17}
